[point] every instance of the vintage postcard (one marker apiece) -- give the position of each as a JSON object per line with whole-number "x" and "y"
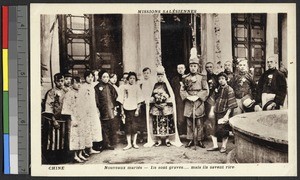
{"x": 163, "y": 89}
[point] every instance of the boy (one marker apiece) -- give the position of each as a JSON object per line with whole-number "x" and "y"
{"x": 224, "y": 103}
{"x": 244, "y": 87}
{"x": 53, "y": 120}
{"x": 146, "y": 87}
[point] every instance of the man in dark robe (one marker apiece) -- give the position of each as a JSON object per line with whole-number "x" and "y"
{"x": 212, "y": 81}
{"x": 176, "y": 84}
{"x": 272, "y": 87}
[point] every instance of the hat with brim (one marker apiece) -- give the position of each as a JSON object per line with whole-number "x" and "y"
{"x": 247, "y": 101}
{"x": 268, "y": 106}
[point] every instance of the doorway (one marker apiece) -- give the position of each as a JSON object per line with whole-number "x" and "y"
{"x": 176, "y": 41}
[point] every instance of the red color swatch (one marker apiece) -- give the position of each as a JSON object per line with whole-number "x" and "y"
{"x": 4, "y": 27}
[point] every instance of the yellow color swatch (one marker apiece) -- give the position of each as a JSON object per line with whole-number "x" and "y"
{"x": 5, "y": 69}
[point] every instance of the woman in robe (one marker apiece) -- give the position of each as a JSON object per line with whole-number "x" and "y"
{"x": 89, "y": 113}
{"x": 72, "y": 107}
{"x": 161, "y": 116}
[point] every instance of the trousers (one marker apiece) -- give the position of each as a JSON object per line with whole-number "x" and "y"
{"x": 199, "y": 126}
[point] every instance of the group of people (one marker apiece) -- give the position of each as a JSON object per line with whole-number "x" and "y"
{"x": 97, "y": 108}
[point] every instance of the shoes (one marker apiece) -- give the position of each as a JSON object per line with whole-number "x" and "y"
{"x": 109, "y": 147}
{"x": 223, "y": 150}
{"x": 168, "y": 144}
{"x": 200, "y": 144}
{"x": 191, "y": 143}
{"x": 94, "y": 151}
{"x": 83, "y": 158}
{"x": 135, "y": 146}
{"x": 213, "y": 149}
{"x": 127, "y": 147}
{"x": 157, "y": 144}
{"x": 85, "y": 154}
{"x": 77, "y": 159}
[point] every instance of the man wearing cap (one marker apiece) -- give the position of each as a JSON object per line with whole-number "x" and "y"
{"x": 244, "y": 87}
{"x": 52, "y": 117}
{"x": 194, "y": 92}
{"x": 272, "y": 87}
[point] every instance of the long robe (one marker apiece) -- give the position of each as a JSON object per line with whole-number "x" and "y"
{"x": 272, "y": 82}
{"x": 175, "y": 83}
{"x": 174, "y": 139}
{"x": 90, "y": 115}
{"x": 71, "y": 107}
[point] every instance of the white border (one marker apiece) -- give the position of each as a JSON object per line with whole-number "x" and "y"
{"x": 278, "y": 169}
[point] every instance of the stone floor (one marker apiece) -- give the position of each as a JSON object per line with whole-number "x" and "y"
{"x": 161, "y": 155}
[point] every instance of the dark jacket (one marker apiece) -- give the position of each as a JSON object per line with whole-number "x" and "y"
{"x": 243, "y": 84}
{"x": 272, "y": 81}
{"x": 212, "y": 81}
{"x": 106, "y": 96}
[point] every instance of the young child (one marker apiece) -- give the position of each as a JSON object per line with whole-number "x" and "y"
{"x": 224, "y": 102}
{"x": 106, "y": 96}
{"x": 54, "y": 99}
{"x": 53, "y": 138}
{"x": 96, "y": 75}
{"x": 161, "y": 110}
{"x": 71, "y": 107}
{"x": 131, "y": 98}
{"x": 146, "y": 86}
{"x": 118, "y": 120}
{"x": 67, "y": 82}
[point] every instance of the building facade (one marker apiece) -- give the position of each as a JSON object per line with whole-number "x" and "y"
{"x": 129, "y": 42}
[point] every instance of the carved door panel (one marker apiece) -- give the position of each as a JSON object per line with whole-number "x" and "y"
{"x": 249, "y": 40}
{"x": 89, "y": 42}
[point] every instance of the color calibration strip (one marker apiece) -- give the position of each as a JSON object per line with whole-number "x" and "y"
{"x": 15, "y": 89}
{"x": 5, "y": 89}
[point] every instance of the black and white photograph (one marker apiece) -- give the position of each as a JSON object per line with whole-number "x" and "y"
{"x": 166, "y": 89}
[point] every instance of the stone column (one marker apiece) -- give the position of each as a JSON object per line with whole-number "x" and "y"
{"x": 271, "y": 34}
{"x": 148, "y": 54}
{"x": 225, "y": 38}
{"x": 207, "y": 39}
{"x": 130, "y": 40}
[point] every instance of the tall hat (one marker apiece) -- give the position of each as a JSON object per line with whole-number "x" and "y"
{"x": 194, "y": 60}
{"x": 160, "y": 70}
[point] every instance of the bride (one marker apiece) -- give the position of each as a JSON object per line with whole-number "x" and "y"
{"x": 161, "y": 113}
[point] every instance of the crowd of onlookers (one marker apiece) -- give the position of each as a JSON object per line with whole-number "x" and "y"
{"x": 84, "y": 116}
